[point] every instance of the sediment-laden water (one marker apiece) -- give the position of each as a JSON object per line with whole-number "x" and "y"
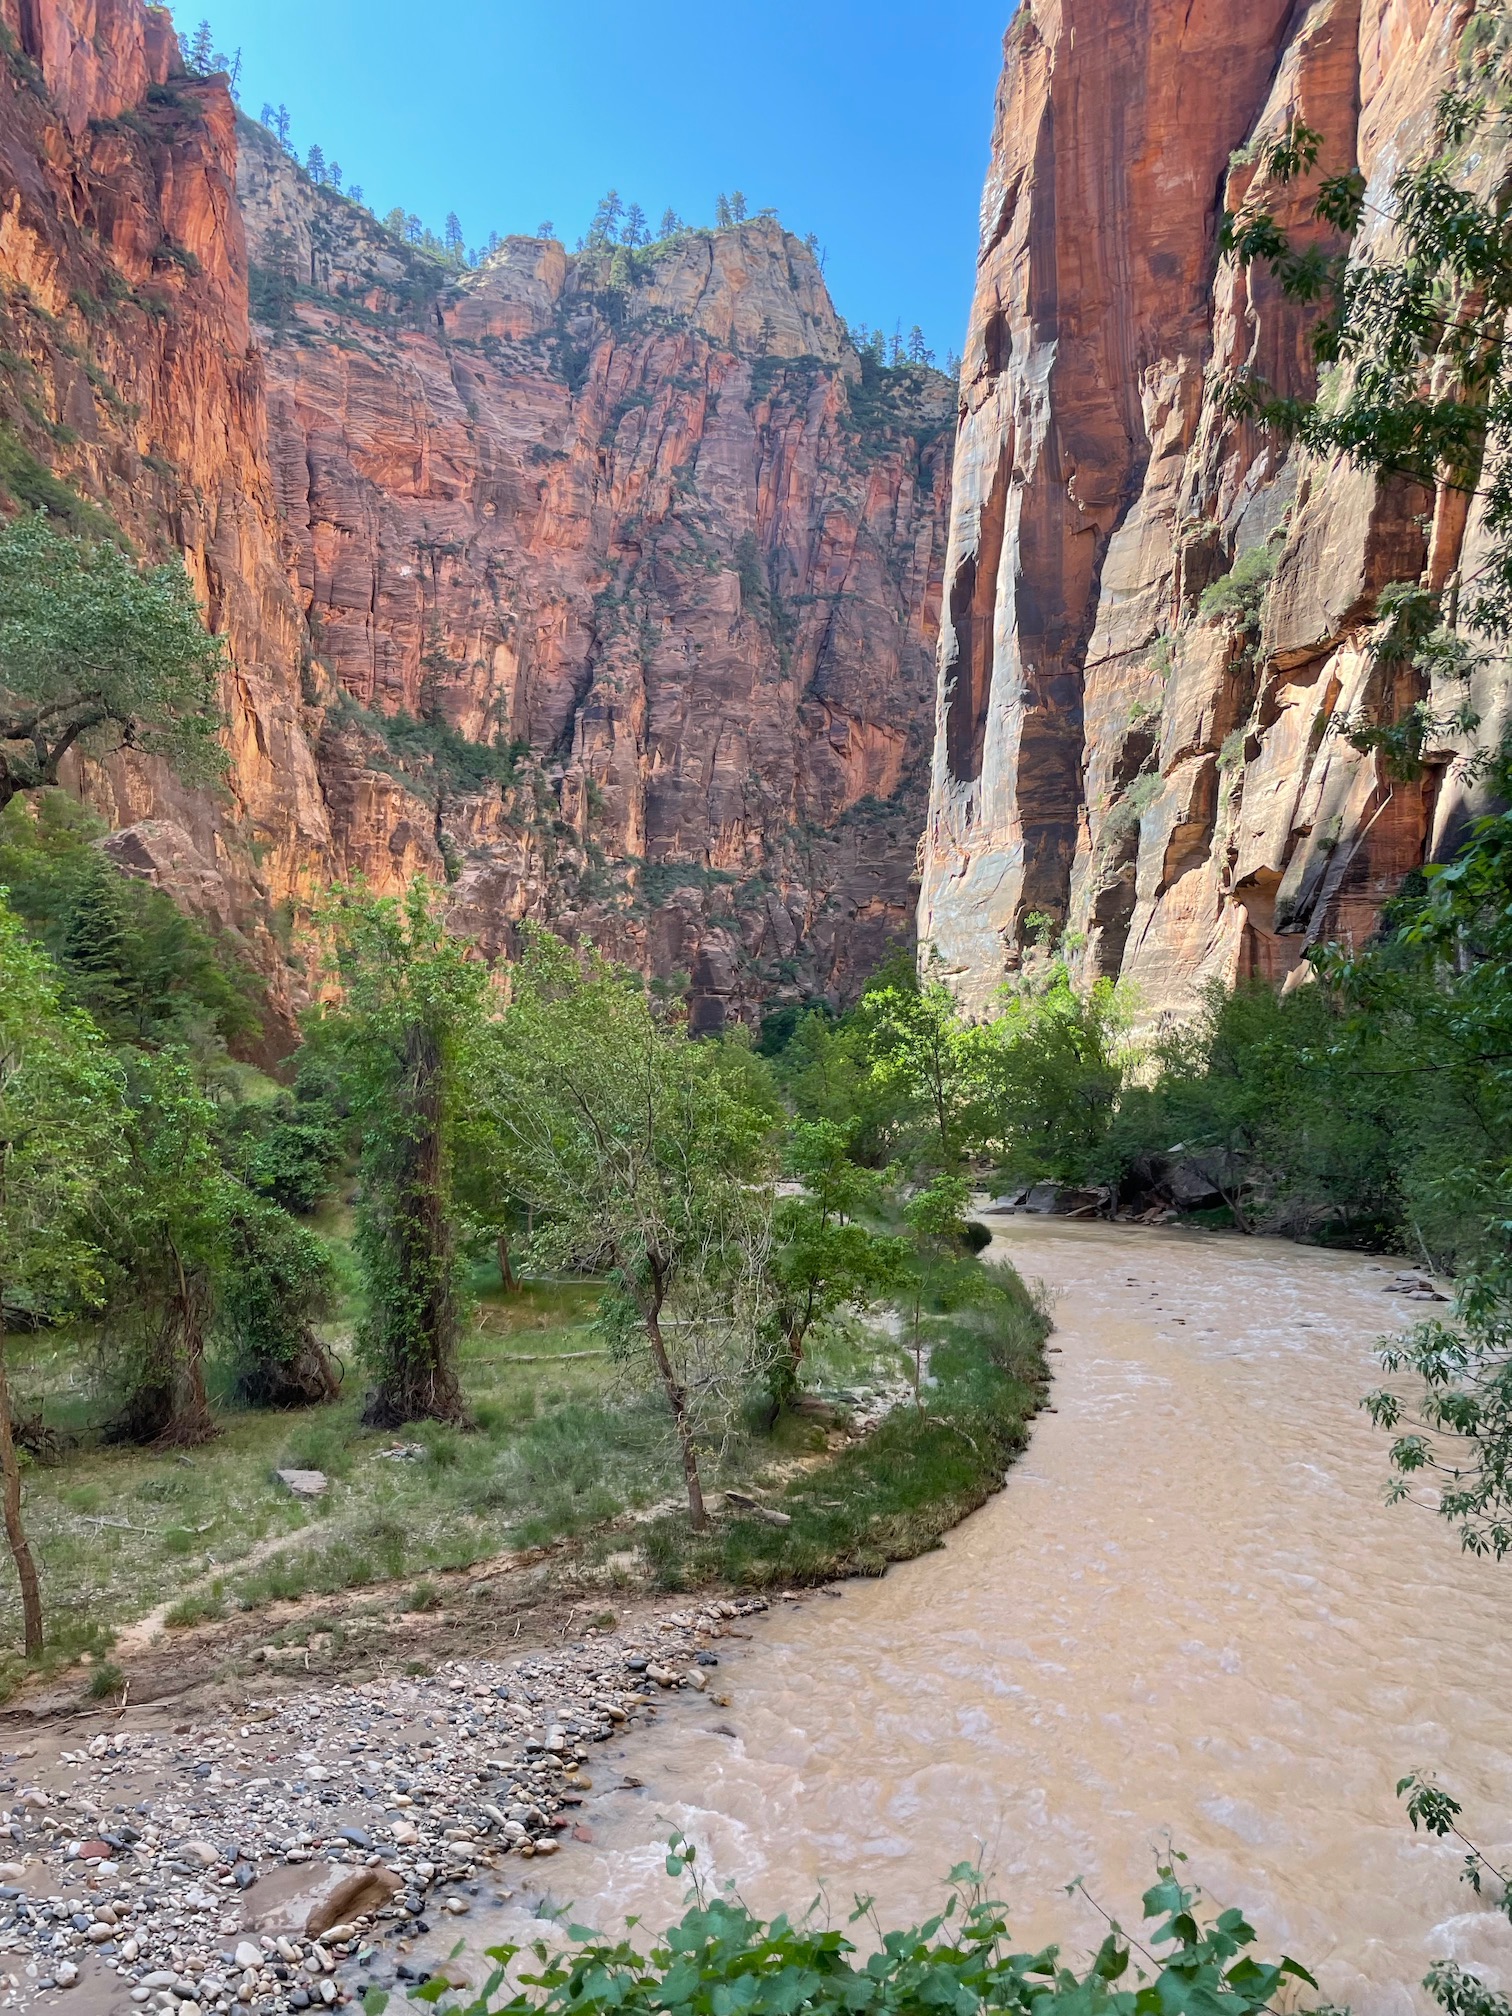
{"x": 1188, "y": 1615}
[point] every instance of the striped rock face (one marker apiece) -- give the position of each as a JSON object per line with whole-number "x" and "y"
{"x": 1151, "y": 777}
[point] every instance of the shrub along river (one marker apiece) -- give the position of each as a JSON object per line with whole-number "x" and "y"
{"x": 1190, "y": 1615}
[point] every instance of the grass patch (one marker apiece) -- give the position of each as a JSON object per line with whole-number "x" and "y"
{"x": 564, "y": 1446}
{"x": 896, "y": 1494}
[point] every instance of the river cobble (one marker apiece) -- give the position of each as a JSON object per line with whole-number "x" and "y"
{"x": 283, "y": 1857}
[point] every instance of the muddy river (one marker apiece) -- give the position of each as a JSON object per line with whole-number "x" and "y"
{"x": 1189, "y": 1616}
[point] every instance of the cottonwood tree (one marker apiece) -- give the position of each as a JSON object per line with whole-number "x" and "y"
{"x": 643, "y": 1159}
{"x": 1047, "y": 1075}
{"x": 824, "y": 1255}
{"x": 60, "y": 1105}
{"x": 921, "y": 1056}
{"x": 404, "y": 1042}
{"x": 97, "y": 654}
{"x": 164, "y": 1229}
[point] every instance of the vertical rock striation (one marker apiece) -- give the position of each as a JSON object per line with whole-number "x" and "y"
{"x": 1133, "y": 727}
{"x": 604, "y": 587}
{"x": 647, "y": 519}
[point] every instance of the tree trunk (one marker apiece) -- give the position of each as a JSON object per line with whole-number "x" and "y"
{"x": 677, "y": 1400}
{"x": 191, "y": 1423}
{"x": 15, "y": 1532}
{"x": 417, "y": 1335}
{"x": 507, "y": 1279}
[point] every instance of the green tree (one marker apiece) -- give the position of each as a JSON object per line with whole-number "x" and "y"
{"x": 921, "y": 1055}
{"x": 1458, "y": 1435}
{"x": 164, "y": 1229}
{"x": 723, "y": 214}
{"x": 289, "y": 1148}
{"x": 642, "y": 1159}
{"x": 604, "y": 229}
{"x": 936, "y": 1217}
{"x": 1047, "y": 1080}
{"x": 315, "y": 164}
{"x": 60, "y": 1103}
{"x": 276, "y": 1282}
{"x": 126, "y": 952}
{"x": 823, "y": 1254}
{"x": 98, "y": 655}
{"x": 404, "y": 1043}
{"x": 1413, "y": 327}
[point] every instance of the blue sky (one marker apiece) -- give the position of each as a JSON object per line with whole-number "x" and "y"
{"x": 865, "y": 121}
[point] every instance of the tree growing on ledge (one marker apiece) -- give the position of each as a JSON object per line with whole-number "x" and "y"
{"x": 98, "y": 655}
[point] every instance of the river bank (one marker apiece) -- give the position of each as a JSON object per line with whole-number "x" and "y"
{"x": 1188, "y": 1615}
{"x": 287, "y": 1849}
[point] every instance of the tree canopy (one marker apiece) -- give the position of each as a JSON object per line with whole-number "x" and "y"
{"x": 98, "y": 654}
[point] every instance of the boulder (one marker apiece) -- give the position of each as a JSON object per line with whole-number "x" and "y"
{"x": 363, "y": 1891}
{"x": 1065, "y": 1200}
{"x": 304, "y": 1483}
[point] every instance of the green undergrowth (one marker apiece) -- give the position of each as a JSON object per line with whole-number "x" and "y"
{"x": 557, "y": 1448}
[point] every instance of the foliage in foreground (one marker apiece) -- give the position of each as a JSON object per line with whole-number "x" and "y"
{"x": 720, "y": 1959}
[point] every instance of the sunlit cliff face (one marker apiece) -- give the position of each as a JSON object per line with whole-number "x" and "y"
{"x": 643, "y": 526}
{"x": 1122, "y": 750}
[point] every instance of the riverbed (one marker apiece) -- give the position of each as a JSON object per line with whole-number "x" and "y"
{"x": 1189, "y": 1616}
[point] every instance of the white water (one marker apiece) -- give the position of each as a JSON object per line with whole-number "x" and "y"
{"x": 1188, "y": 1613}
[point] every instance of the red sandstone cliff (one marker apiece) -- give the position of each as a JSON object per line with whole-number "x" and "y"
{"x": 1107, "y": 755}
{"x": 644, "y": 521}
{"x": 641, "y": 516}
{"x": 127, "y": 365}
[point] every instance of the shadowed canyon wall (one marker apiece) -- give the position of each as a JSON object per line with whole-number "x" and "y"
{"x": 1115, "y": 763}
{"x": 604, "y": 588}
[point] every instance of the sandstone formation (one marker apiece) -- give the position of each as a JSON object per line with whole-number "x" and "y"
{"x": 128, "y": 366}
{"x": 604, "y": 587}
{"x": 1152, "y": 779}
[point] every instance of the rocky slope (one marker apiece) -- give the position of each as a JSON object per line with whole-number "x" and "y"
{"x": 1153, "y": 778}
{"x": 603, "y": 587}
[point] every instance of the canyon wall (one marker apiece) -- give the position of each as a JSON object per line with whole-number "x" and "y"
{"x": 602, "y": 588}
{"x": 128, "y": 370}
{"x": 1155, "y": 611}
